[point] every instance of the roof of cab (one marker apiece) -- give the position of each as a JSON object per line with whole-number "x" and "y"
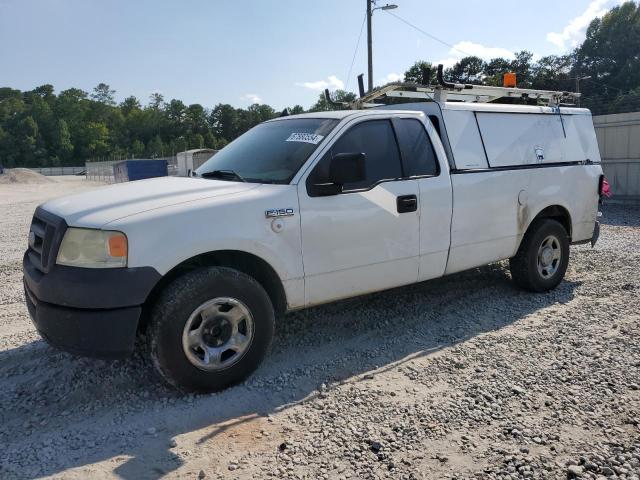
{"x": 341, "y": 114}
{"x": 338, "y": 114}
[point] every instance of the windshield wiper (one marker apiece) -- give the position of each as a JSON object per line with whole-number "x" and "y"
{"x": 224, "y": 174}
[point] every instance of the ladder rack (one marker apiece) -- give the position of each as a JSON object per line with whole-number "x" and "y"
{"x": 447, "y": 91}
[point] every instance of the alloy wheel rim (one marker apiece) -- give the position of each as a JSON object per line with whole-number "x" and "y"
{"x": 549, "y": 257}
{"x": 218, "y": 334}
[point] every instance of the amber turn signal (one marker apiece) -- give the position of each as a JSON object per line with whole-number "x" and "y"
{"x": 118, "y": 245}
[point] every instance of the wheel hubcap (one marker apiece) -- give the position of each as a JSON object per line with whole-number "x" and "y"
{"x": 218, "y": 334}
{"x": 549, "y": 257}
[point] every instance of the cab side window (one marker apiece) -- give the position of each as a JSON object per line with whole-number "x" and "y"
{"x": 418, "y": 154}
{"x": 374, "y": 138}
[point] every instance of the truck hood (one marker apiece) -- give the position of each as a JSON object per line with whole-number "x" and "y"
{"x": 98, "y": 207}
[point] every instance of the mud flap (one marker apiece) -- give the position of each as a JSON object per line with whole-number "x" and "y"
{"x": 596, "y": 234}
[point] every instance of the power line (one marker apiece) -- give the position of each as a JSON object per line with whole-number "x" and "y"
{"x": 433, "y": 37}
{"x": 603, "y": 85}
{"x": 355, "y": 52}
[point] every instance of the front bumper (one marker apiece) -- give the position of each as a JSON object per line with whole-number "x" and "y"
{"x": 91, "y": 333}
{"x": 91, "y": 312}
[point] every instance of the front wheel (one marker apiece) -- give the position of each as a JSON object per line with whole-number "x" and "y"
{"x": 210, "y": 329}
{"x": 543, "y": 256}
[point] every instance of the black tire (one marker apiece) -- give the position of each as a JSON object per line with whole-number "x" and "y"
{"x": 175, "y": 306}
{"x": 524, "y": 266}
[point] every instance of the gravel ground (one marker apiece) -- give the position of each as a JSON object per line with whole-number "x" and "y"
{"x": 465, "y": 377}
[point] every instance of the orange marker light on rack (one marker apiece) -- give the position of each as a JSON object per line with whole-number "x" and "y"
{"x": 509, "y": 80}
{"x": 118, "y": 245}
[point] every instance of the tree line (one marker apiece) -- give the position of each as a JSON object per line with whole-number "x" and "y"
{"x": 40, "y": 129}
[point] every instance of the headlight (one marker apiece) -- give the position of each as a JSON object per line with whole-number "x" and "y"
{"x": 90, "y": 248}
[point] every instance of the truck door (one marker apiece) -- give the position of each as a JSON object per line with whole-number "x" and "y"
{"x": 365, "y": 238}
{"x": 424, "y": 159}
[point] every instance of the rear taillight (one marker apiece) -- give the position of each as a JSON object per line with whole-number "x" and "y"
{"x": 604, "y": 189}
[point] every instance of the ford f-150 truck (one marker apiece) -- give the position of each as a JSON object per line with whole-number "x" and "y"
{"x": 303, "y": 210}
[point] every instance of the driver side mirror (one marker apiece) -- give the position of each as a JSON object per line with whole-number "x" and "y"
{"x": 344, "y": 168}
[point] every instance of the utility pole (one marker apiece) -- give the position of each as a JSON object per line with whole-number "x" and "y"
{"x": 578, "y": 78}
{"x": 578, "y": 90}
{"x": 369, "y": 47}
{"x": 370, "y": 9}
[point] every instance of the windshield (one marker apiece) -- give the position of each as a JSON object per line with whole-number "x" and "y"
{"x": 271, "y": 152}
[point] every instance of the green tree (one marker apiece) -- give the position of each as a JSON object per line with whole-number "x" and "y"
{"x": 129, "y": 104}
{"x": 27, "y": 133}
{"x": 196, "y": 119}
{"x": 95, "y": 138}
{"x": 155, "y": 147}
{"x": 553, "y": 73}
{"x": 224, "y": 120}
{"x": 609, "y": 53}
{"x": 176, "y": 111}
{"x": 156, "y": 100}
{"x": 62, "y": 147}
{"x": 12, "y": 105}
{"x": 72, "y": 105}
{"x": 467, "y": 70}
{"x": 179, "y": 145}
{"x": 415, "y": 73}
{"x": 137, "y": 148}
{"x": 196, "y": 141}
{"x": 521, "y": 65}
{"x": 209, "y": 140}
{"x": 45, "y": 92}
{"x": 102, "y": 93}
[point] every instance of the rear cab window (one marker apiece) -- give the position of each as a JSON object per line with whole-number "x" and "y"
{"x": 418, "y": 155}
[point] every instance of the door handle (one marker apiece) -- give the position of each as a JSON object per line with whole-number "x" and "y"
{"x": 407, "y": 203}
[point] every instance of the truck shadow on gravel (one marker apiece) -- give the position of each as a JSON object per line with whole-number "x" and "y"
{"x": 620, "y": 215}
{"x": 59, "y": 412}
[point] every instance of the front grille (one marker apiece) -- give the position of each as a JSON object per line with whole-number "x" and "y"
{"x": 45, "y": 236}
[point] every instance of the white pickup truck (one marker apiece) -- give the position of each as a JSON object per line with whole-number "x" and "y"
{"x": 303, "y": 210}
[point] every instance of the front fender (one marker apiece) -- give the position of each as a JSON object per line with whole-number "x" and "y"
{"x": 164, "y": 238}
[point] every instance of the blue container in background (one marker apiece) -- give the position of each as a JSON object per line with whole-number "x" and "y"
{"x": 130, "y": 170}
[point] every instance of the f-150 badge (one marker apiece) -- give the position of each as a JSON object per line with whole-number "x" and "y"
{"x": 279, "y": 212}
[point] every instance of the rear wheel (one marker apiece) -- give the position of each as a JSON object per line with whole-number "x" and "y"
{"x": 543, "y": 256}
{"x": 210, "y": 329}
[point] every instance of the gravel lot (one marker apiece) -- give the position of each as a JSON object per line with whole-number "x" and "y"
{"x": 465, "y": 377}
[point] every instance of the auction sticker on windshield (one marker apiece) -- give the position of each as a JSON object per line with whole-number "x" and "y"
{"x": 313, "y": 138}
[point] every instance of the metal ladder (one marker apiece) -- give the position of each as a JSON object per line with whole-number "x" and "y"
{"x": 446, "y": 91}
